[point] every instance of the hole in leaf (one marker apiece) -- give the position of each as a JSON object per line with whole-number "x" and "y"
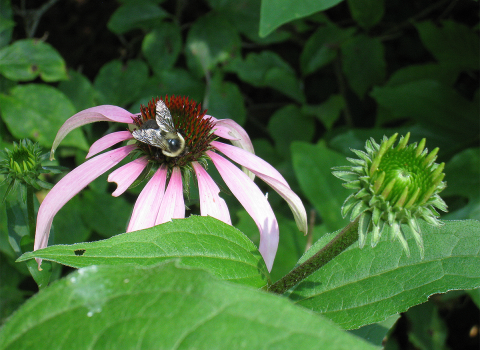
{"x": 79, "y": 252}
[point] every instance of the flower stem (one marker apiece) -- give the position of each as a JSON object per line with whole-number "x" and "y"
{"x": 342, "y": 241}
{"x": 30, "y": 212}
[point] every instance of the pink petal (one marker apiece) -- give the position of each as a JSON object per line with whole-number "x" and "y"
{"x": 69, "y": 186}
{"x": 254, "y": 202}
{"x": 148, "y": 202}
{"x": 210, "y": 202}
{"x": 127, "y": 174}
{"x": 271, "y": 176}
{"x": 249, "y": 160}
{"x": 293, "y": 201}
{"x": 173, "y": 205}
{"x": 90, "y": 115}
{"x": 108, "y": 141}
{"x": 231, "y": 130}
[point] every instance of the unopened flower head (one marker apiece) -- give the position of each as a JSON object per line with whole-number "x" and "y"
{"x": 171, "y": 140}
{"x": 23, "y": 165}
{"x": 394, "y": 186}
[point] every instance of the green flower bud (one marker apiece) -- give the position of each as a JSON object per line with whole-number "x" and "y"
{"x": 23, "y": 165}
{"x": 394, "y": 186}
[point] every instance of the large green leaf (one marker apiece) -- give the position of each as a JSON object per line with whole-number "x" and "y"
{"x": 226, "y": 101}
{"x": 283, "y": 128}
{"x": 28, "y": 58}
{"x": 363, "y": 63}
{"x": 453, "y": 43}
{"x": 165, "y": 307}
{"x": 79, "y": 90}
{"x": 200, "y": 241}
{"x": 142, "y": 15}
{"x": 162, "y": 46}
{"x": 367, "y": 13}
{"x": 120, "y": 84}
{"x": 267, "y": 69}
{"x": 208, "y": 46}
{"x": 37, "y": 112}
{"x": 313, "y": 168}
{"x": 431, "y": 103}
{"x": 245, "y": 16}
{"x": 322, "y": 46}
{"x": 274, "y": 13}
{"x": 362, "y": 286}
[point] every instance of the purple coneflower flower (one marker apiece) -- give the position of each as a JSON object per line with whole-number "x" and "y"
{"x": 182, "y": 144}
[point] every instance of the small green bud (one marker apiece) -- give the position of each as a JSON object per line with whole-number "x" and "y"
{"x": 396, "y": 185}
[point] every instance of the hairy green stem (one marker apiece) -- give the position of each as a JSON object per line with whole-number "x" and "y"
{"x": 342, "y": 241}
{"x": 30, "y": 212}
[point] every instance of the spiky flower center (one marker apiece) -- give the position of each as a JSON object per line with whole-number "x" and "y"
{"x": 189, "y": 121}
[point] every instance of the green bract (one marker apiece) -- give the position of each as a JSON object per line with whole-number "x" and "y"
{"x": 394, "y": 186}
{"x": 23, "y": 165}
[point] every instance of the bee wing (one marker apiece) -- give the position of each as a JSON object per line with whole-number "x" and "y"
{"x": 164, "y": 118}
{"x": 152, "y": 137}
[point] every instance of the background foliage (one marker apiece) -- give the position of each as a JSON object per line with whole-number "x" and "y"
{"x": 308, "y": 81}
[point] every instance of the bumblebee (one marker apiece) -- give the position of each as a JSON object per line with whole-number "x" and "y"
{"x": 161, "y": 132}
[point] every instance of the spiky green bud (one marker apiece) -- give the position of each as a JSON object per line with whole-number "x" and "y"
{"x": 23, "y": 165}
{"x": 395, "y": 186}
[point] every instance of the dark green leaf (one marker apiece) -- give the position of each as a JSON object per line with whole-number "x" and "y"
{"x": 207, "y": 46}
{"x": 328, "y": 112}
{"x": 428, "y": 331}
{"x": 165, "y": 307}
{"x": 142, "y": 15}
{"x": 431, "y": 103}
{"x": 201, "y": 242}
{"x": 174, "y": 81}
{"x": 362, "y": 286}
{"x": 274, "y": 13}
{"x": 226, "y": 101}
{"x": 162, "y": 46}
{"x": 444, "y": 74}
{"x": 267, "y": 69}
{"x": 79, "y": 90}
{"x": 283, "y": 128}
{"x": 7, "y": 23}
{"x": 28, "y": 58}
{"x": 375, "y": 333}
{"x": 43, "y": 109}
{"x": 245, "y": 16}
{"x": 366, "y": 13}
{"x": 453, "y": 44}
{"x": 363, "y": 63}
{"x": 322, "y": 47}
{"x": 120, "y": 84}
{"x": 69, "y": 226}
{"x": 313, "y": 168}
{"x": 105, "y": 214}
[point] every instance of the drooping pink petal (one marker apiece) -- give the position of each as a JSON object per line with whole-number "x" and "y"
{"x": 69, "y": 186}
{"x": 254, "y": 202}
{"x": 148, "y": 202}
{"x": 108, "y": 141}
{"x": 173, "y": 204}
{"x": 127, "y": 174}
{"x": 210, "y": 202}
{"x": 231, "y": 130}
{"x": 249, "y": 160}
{"x": 90, "y": 115}
{"x": 271, "y": 176}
